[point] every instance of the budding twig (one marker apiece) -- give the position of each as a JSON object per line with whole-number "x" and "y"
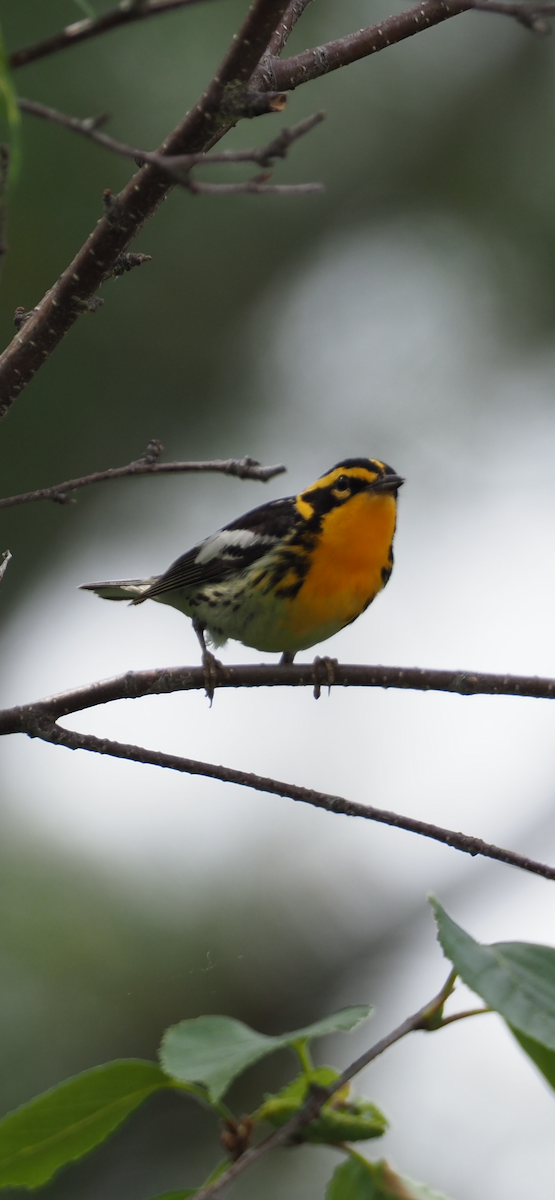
{"x": 147, "y": 464}
{"x": 179, "y": 166}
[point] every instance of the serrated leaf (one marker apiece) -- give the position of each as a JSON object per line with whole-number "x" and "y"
{"x": 340, "y": 1119}
{"x": 357, "y": 1179}
{"x": 516, "y": 979}
{"x": 214, "y": 1050}
{"x": 67, "y": 1121}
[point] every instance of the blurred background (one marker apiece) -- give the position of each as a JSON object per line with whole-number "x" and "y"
{"x": 407, "y": 313}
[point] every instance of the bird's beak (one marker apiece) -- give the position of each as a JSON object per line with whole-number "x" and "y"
{"x": 386, "y": 483}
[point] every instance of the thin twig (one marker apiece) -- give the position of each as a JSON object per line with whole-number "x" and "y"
{"x": 209, "y": 119}
{"x": 318, "y": 1096}
{"x": 244, "y": 468}
{"x": 286, "y": 26}
{"x": 38, "y": 721}
{"x": 179, "y": 166}
{"x": 257, "y": 186}
{"x": 461, "y": 1016}
{"x": 219, "y": 107}
{"x": 80, "y": 31}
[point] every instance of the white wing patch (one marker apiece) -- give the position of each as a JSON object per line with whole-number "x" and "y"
{"x": 219, "y": 543}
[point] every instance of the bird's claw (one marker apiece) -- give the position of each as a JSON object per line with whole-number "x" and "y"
{"x": 323, "y": 672}
{"x": 214, "y": 672}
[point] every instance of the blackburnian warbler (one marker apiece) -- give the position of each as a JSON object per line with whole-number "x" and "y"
{"x": 290, "y": 573}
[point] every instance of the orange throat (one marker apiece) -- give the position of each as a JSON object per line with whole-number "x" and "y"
{"x": 351, "y": 563}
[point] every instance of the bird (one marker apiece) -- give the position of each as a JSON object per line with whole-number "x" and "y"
{"x": 288, "y": 574}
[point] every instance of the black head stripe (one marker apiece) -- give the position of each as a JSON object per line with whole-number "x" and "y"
{"x": 366, "y": 464}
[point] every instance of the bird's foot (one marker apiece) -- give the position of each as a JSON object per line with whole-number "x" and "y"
{"x": 323, "y": 672}
{"x": 286, "y": 658}
{"x": 214, "y": 673}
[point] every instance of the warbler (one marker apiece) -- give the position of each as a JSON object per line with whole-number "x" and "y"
{"x": 290, "y": 573}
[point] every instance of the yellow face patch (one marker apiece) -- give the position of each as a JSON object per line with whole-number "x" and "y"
{"x": 342, "y": 491}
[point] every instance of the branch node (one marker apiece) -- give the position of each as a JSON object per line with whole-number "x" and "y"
{"x": 126, "y": 261}
{"x": 253, "y": 104}
{"x": 89, "y": 124}
{"x": 62, "y": 498}
{"x": 21, "y": 317}
{"x": 112, "y": 207}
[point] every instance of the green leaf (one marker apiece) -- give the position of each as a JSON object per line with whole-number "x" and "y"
{"x": 214, "y": 1050}
{"x": 339, "y": 1120}
{"x": 357, "y": 1179}
{"x": 516, "y": 979}
{"x": 70, "y": 1119}
{"x": 540, "y": 1055}
{"x": 9, "y": 108}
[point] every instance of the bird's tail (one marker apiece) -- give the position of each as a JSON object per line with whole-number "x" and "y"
{"x": 120, "y": 589}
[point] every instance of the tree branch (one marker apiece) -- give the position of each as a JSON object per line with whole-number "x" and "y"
{"x": 223, "y": 103}
{"x": 216, "y": 111}
{"x": 136, "y": 684}
{"x": 178, "y": 166}
{"x": 80, "y": 31}
{"x": 289, "y": 20}
{"x": 289, "y": 73}
{"x": 42, "y": 726}
{"x": 318, "y": 1096}
{"x": 39, "y": 720}
{"x": 244, "y": 468}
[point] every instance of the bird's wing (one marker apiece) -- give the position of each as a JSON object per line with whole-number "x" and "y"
{"x": 230, "y": 550}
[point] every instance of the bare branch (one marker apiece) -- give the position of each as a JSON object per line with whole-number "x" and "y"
{"x": 38, "y": 720}
{"x": 39, "y": 724}
{"x": 257, "y": 186}
{"x": 136, "y": 684}
{"x": 179, "y": 166}
{"x": 215, "y": 112}
{"x": 286, "y": 25}
{"x": 244, "y": 468}
{"x": 224, "y": 102}
{"x": 289, "y": 73}
{"x": 80, "y": 31}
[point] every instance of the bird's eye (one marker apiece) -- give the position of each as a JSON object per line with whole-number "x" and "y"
{"x": 343, "y": 483}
